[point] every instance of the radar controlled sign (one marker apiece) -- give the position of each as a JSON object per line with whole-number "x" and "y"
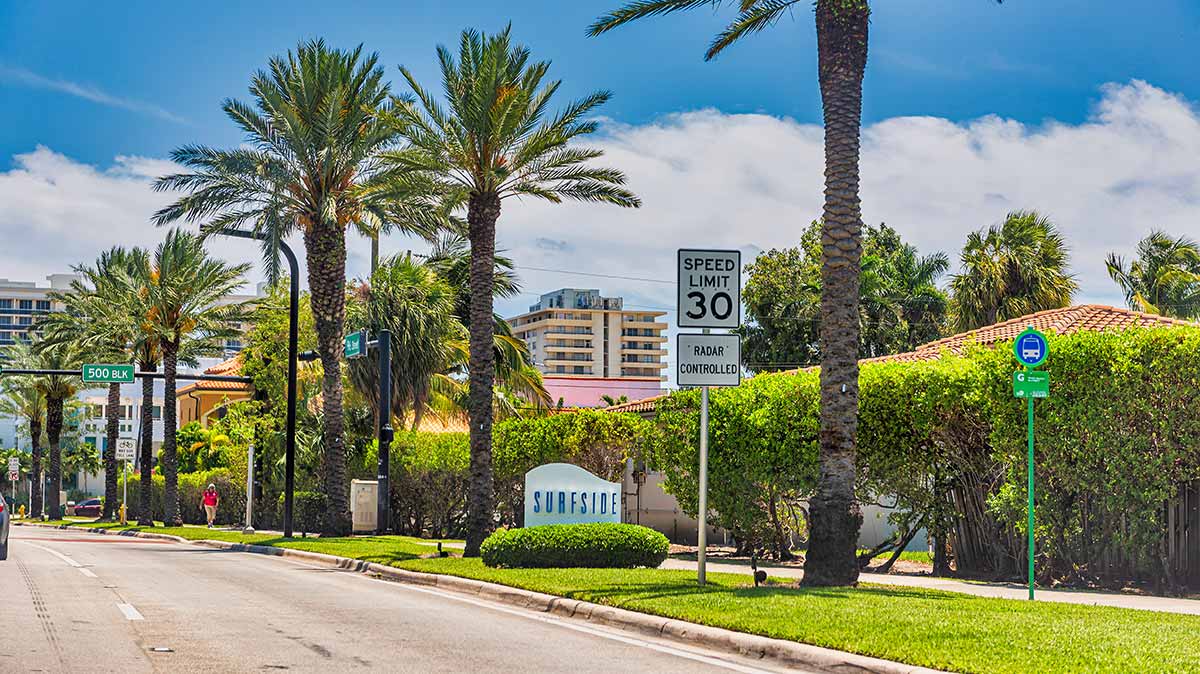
{"x": 710, "y": 296}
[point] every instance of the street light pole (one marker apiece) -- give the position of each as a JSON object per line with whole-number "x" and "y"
{"x": 289, "y": 461}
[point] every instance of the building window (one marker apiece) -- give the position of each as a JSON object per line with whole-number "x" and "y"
{"x": 24, "y": 320}
{"x": 26, "y": 305}
{"x": 5, "y": 304}
{"x": 43, "y": 305}
{"x": 156, "y": 412}
{"x": 5, "y": 320}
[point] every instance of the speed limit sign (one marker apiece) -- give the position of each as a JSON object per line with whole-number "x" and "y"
{"x": 710, "y": 288}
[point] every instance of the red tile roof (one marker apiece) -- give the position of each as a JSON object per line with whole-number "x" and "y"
{"x": 639, "y": 406}
{"x": 1065, "y": 321}
{"x": 228, "y": 368}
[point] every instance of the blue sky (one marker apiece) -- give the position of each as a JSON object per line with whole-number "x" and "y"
{"x": 172, "y": 63}
{"x": 1086, "y": 111}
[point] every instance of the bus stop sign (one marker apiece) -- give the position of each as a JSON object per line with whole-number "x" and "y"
{"x": 1031, "y": 348}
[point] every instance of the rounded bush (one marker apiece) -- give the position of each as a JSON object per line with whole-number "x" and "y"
{"x": 598, "y": 545}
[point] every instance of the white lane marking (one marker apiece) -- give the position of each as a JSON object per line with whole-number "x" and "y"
{"x": 130, "y": 612}
{"x": 586, "y": 629}
{"x": 56, "y": 553}
{"x": 87, "y": 572}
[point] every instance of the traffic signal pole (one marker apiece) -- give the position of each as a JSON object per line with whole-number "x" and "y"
{"x": 383, "y": 502}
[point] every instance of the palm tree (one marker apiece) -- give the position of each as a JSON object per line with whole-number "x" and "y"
{"x": 411, "y": 301}
{"x": 97, "y": 317}
{"x": 57, "y": 389}
{"x": 842, "y": 59}
{"x": 22, "y": 399}
{"x": 1164, "y": 278}
{"x": 1012, "y": 269}
{"x": 185, "y": 306}
{"x": 309, "y": 165}
{"x": 493, "y": 143}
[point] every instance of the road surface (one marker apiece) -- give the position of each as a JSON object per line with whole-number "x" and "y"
{"x": 75, "y": 602}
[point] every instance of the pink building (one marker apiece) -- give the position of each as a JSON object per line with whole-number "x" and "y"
{"x": 588, "y": 391}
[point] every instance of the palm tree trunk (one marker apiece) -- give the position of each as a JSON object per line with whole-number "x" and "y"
{"x": 325, "y": 253}
{"x": 145, "y": 516}
{"x": 111, "y": 431}
{"x": 836, "y": 518}
{"x": 54, "y": 422}
{"x": 482, "y": 213}
{"x": 170, "y": 461}
{"x": 35, "y": 468}
{"x": 374, "y": 252}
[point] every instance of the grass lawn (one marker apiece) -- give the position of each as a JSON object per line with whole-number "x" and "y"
{"x": 943, "y": 630}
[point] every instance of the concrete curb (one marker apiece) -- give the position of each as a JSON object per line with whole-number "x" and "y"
{"x": 779, "y": 651}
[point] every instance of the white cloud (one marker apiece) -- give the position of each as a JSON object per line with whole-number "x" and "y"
{"x": 58, "y": 213}
{"x": 87, "y": 92}
{"x": 710, "y": 179}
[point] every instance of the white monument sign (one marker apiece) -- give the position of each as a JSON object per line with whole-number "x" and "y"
{"x": 710, "y": 288}
{"x": 563, "y": 493}
{"x": 708, "y": 360}
{"x": 126, "y": 449}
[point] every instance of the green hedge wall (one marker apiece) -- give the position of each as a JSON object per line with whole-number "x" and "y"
{"x": 232, "y": 508}
{"x": 944, "y": 440}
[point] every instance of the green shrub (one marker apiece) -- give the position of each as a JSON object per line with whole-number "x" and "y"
{"x": 599, "y": 545}
{"x": 309, "y": 510}
{"x": 232, "y": 491}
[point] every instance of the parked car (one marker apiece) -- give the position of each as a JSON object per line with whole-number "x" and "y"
{"x": 89, "y": 508}
{"x": 5, "y": 516}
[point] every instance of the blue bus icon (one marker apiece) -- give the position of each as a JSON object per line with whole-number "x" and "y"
{"x": 1031, "y": 348}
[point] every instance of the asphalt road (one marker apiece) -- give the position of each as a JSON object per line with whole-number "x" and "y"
{"x": 74, "y": 602}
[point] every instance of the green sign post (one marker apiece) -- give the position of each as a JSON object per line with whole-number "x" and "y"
{"x": 100, "y": 373}
{"x": 1031, "y": 349}
{"x": 356, "y": 344}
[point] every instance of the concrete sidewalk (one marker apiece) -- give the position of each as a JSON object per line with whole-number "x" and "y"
{"x": 977, "y": 588}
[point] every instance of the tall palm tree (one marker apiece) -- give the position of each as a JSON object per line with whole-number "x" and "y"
{"x": 1012, "y": 269}
{"x": 98, "y": 318}
{"x": 185, "y": 306}
{"x": 842, "y": 31}
{"x": 309, "y": 165}
{"x": 493, "y": 143}
{"x": 57, "y": 389}
{"x": 21, "y": 398}
{"x": 1164, "y": 278}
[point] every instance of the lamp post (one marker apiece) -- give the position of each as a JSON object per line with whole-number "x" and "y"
{"x": 289, "y": 479}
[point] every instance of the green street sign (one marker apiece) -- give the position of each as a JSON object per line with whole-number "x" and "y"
{"x": 356, "y": 344}
{"x": 100, "y": 373}
{"x": 1031, "y": 384}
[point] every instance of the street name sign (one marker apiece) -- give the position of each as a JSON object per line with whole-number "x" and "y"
{"x": 708, "y": 360}
{"x": 710, "y": 288}
{"x": 356, "y": 344}
{"x": 126, "y": 449}
{"x": 101, "y": 373}
{"x": 1031, "y": 384}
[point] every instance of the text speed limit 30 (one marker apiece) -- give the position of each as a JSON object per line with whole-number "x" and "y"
{"x": 710, "y": 288}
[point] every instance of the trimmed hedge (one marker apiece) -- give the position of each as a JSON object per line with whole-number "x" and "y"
{"x": 598, "y": 545}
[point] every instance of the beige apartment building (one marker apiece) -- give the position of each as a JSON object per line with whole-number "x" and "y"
{"x": 576, "y": 334}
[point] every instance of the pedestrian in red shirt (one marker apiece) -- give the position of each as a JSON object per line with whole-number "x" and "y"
{"x": 211, "y": 500}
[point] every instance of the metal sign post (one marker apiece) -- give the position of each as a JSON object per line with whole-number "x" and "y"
{"x": 125, "y": 451}
{"x": 710, "y": 296}
{"x": 1031, "y": 350}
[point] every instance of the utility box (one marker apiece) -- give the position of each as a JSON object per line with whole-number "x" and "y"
{"x": 364, "y": 505}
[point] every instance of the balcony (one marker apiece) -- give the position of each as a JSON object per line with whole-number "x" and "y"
{"x": 571, "y": 362}
{"x": 643, "y": 338}
{"x": 644, "y": 325}
{"x": 567, "y": 349}
{"x": 650, "y": 349}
